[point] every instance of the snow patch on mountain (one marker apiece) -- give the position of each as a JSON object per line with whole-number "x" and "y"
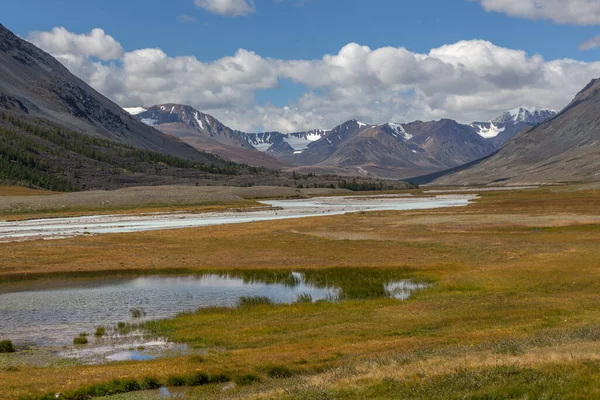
{"x": 399, "y": 130}
{"x": 149, "y": 121}
{"x": 198, "y": 121}
{"x": 300, "y": 141}
{"x": 488, "y": 132}
{"x": 135, "y": 110}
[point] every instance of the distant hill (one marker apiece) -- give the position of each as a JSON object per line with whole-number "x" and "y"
{"x": 565, "y": 148}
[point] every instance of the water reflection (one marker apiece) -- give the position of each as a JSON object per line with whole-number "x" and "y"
{"x": 53, "y": 312}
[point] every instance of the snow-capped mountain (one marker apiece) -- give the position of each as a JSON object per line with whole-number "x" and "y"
{"x": 508, "y": 125}
{"x": 562, "y": 149}
{"x": 529, "y": 116}
{"x": 383, "y": 150}
{"x": 277, "y": 142}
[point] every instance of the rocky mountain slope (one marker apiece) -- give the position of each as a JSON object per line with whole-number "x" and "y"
{"x": 204, "y": 133}
{"x": 35, "y": 85}
{"x": 565, "y": 148}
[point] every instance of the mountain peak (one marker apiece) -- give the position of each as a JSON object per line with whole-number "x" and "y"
{"x": 528, "y": 115}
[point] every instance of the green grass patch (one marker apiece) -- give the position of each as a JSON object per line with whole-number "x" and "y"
{"x": 6, "y": 346}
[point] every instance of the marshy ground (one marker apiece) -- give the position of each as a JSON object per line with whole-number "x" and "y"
{"x": 514, "y": 310}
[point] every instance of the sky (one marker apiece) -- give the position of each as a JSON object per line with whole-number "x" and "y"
{"x": 292, "y": 65}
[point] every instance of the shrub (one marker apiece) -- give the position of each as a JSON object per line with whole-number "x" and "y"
{"x": 6, "y": 346}
{"x": 100, "y": 331}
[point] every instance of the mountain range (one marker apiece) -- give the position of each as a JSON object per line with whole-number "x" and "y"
{"x": 388, "y": 150}
{"x": 562, "y": 149}
{"x": 58, "y": 133}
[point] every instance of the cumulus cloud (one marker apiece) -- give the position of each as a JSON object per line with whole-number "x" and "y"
{"x": 98, "y": 44}
{"x": 468, "y": 81}
{"x": 574, "y": 12}
{"x": 228, "y": 8}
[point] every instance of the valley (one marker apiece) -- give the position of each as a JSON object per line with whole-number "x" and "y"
{"x": 432, "y": 246}
{"x": 483, "y": 313}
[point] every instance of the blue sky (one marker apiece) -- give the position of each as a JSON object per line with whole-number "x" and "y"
{"x": 306, "y": 30}
{"x": 295, "y": 29}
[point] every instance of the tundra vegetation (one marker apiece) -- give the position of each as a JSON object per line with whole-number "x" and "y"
{"x": 513, "y": 310}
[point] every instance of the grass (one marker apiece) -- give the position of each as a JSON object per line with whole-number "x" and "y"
{"x": 304, "y": 298}
{"x": 81, "y": 340}
{"x": 253, "y": 301}
{"x": 137, "y": 312}
{"x": 66, "y": 212}
{"x": 7, "y": 190}
{"x": 513, "y": 312}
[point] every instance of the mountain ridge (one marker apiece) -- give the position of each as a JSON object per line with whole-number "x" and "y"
{"x": 388, "y": 150}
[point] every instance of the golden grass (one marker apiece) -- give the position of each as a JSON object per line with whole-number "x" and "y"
{"x": 517, "y": 270}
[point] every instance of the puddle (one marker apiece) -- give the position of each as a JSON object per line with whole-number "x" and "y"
{"x": 402, "y": 290}
{"x": 130, "y": 356}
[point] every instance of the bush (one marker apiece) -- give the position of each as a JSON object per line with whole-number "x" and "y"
{"x": 100, "y": 331}
{"x": 6, "y": 346}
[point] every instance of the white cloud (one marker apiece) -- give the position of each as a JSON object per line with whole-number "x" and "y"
{"x": 59, "y": 41}
{"x": 573, "y": 12}
{"x": 467, "y": 81}
{"x": 589, "y": 44}
{"x": 229, "y": 8}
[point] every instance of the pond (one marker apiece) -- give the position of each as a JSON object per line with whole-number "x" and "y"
{"x": 53, "y": 312}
